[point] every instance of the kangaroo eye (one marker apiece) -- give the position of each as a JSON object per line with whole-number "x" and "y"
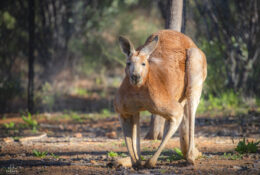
{"x": 143, "y": 64}
{"x": 128, "y": 63}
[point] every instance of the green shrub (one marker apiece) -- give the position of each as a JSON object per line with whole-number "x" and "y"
{"x": 81, "y": 91}
{"x": 40, "y": 154}
{"x": 30, "y": 122}
{"x": 105, "y": 112}
{"x": 70, "y": 115}
{"x": 112, "y": 154}
{"x": 249, "y": 147}
{"x": 230, "y": 156}
{"x": 178, "y": 151}
{"x": 76, "y": 117}
{"x": 123, "y": 155}
{"x": 222, "y": 102}
{"x": 55, "y": 156}
{"x": 10, "y": 125}
{"x": 178, "y": 155}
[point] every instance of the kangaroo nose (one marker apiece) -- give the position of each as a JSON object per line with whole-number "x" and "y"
{"x": 135, "y": 77}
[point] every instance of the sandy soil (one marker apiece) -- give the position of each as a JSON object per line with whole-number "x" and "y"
{"x": 82, "y": 147}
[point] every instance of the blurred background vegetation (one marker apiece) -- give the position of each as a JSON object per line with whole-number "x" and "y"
{"x": 78, "y": 64}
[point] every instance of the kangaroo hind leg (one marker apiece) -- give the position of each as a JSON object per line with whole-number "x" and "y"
{"x": 184, "y": 135}
{"x": 195, "y": 68}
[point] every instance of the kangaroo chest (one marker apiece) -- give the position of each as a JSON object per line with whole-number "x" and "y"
{"x": 132, "y": 102}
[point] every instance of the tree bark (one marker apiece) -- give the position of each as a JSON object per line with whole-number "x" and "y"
{"x": 173, "y": 17}
{"x": 31, "y": 30}
{"x": 156, "y": 128}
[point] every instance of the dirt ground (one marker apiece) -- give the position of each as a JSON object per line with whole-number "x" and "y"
{"x": 82, "y": 147}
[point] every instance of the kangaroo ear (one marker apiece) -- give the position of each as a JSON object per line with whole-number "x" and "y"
{"x": 126, "y": 46}
{"x": 150, "y": 47}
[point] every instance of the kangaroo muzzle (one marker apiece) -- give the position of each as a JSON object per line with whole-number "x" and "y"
{"x": 135, "y": 79}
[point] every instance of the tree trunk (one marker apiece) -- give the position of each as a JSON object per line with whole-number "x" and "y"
{"x": 31, "y": 56}
{"x": 173, "y": 17}
{"x": 156, "y": 128}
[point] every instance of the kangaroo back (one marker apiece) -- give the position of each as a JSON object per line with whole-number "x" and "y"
{"x": 168, "y": 62}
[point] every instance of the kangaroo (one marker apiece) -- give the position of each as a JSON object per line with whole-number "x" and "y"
{"x": 165, "y": 77}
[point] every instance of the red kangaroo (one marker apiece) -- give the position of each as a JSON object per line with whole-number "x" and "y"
{"x": 165, "y": 77}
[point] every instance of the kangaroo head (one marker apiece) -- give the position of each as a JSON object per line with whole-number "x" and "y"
{"x": 137, "y": 63}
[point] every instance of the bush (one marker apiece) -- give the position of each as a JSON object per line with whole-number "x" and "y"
{"x": 249, "y": 147}
{"x": 30, "y": 122}
{"x": 222, "y": 102}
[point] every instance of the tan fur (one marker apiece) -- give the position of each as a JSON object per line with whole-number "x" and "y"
{"x": 165, "y": 83}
